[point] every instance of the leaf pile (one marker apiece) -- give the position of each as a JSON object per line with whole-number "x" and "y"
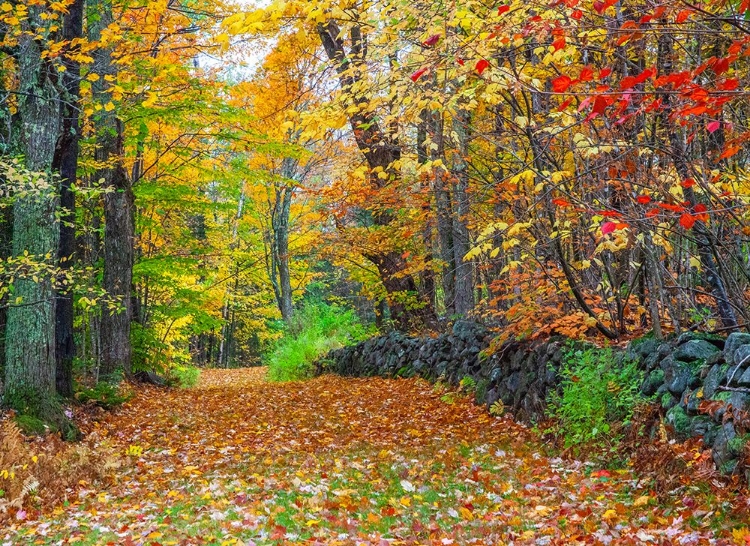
{"x": 352, "y": 461}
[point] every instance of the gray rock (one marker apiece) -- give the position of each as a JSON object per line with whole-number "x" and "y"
{"x": 741, "y": 356}
{"x": 703, "y": 425}
{"x": 680, "y": 377}
{"x": 692, "y": 402}
{"x": 744, "y": 380}
{"x": 740, "y": 400}
{"x": 696, "y": 349}
{"x": 733, "y": 341}
{"x": 713, "y": 379}
{"x": 721, "y": 452}
{"x": 653, "y": 381}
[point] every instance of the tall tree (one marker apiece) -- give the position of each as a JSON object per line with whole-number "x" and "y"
{"x": 66, "y": 163}
{"x": 119, "y": 203}
{"x": 30, "y": 340}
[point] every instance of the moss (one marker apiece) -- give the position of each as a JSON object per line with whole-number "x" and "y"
{"x": 722, "y": 396}
{"x": 32, "y": 426}
{"x": 666, "y": 400}
{"x": 679, "y": 420}
{"x": 737, "y": 444}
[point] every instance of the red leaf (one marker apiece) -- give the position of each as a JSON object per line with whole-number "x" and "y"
{"x": 604, "y": 72}
{"x": 713, "y": 126}
{"x": 601, "y": 474}
{"x": 687, "y": 183}
{"x": 608, "y": 227}
{"x": 577, "y": 14}
{"x": 482, "y": 65}
{"x": 460, "y": 61}
{"x": 687, "y": 220}
{"x": 600, "y": 104}
{"x": 564, "y": 105}
{"x": 684, "y": 15}
{"x": 503, "y": 9}
{"x": 729, "y": 152}
{"x": 700, "y": 207}
{"x": 721, "y": 66}
{"x": 559, "y": 43}
{"x": 432, "y": 40}
{"x": 561, "y": 84}
{"x": 418, "y": 74}
{"x": 643, "y": 199}
{"x": 560, "y": 202}
{"x": 651, "y": 213}
{"x": 587, "y": 74}
{"x": 728, "y": 84}
{"x": 599, "y": 6}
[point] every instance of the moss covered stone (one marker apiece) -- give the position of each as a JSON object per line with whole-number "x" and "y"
{"x": 679, "y": 420}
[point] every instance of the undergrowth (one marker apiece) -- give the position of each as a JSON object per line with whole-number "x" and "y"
{"x": 184, "y": 377}
{"x": 597, "y": 398}
{"x": 41, "y": 473}
{"x": 315, "y": 330}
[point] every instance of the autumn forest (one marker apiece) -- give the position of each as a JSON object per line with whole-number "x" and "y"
{"x": 193, "y": 184}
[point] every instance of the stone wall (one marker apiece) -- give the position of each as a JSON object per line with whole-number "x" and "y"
{"x": 702, "y": 382}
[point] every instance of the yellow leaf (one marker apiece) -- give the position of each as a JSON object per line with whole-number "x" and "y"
{"x": 466, "y": 513}
{"x": 609, "y": 514}
{"x": 642, "y": 501}
{"x": 373, "y": 518}
{"x": 93, "y": 77}
{"x": 406, "y": 501}
{"x": 312, "y": 522}
{"x": 109, "y": 106}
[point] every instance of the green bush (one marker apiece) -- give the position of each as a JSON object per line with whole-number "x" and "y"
{"x": 597, "y": 398}
{"x": 315, "y": 330}
{"x": 184, "y": 377}
{"x": 106, "y": 394}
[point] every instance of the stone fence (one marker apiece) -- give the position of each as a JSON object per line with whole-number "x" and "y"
{"x": 703, "y": 382}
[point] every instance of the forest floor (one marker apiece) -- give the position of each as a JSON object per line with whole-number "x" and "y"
{"x": 238, "y": 460}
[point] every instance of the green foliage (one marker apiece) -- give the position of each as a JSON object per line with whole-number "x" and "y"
{"x": 597, "y": 393}
{"x": 184, "y": 377}
{"x": 315, "y": 330}
{"x": 106, "y": 394}
{"x": 468, "y": 384}
{"x": 32, "y": 426}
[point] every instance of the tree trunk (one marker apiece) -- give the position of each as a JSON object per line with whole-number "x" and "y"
{"x": 30, "y": 343}
{"x": 66, "y": 162}
{"x": 119, "y": 212}
{"x": 380, "y": 150}
{"x": 464, "y": 300}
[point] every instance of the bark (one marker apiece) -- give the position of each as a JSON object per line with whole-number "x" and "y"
{"x": 66, "y": 162}
{"x": 280, "y": 226}
{"x": 30, "y": 343}
{"x": 119, "y": 213}
{"x": 464, "y": 299}
{"x": 380, "y": 151}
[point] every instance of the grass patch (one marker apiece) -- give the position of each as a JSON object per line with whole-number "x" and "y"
{"x": 315, "y": 330}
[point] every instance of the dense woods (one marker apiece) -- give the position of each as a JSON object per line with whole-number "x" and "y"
{"x": 179, "y": 178}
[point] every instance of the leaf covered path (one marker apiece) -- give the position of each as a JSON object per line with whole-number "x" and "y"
{"x": 238, "y": 460}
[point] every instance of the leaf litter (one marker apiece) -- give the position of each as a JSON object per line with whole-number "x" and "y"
{"x": 343, "y": 461}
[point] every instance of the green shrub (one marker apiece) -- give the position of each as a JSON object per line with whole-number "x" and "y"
{"x": 597, "y": 398}
{"x": 106, "y": 394}
{"x": 315, "y": 330}
{"x": 184, "y": 377}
